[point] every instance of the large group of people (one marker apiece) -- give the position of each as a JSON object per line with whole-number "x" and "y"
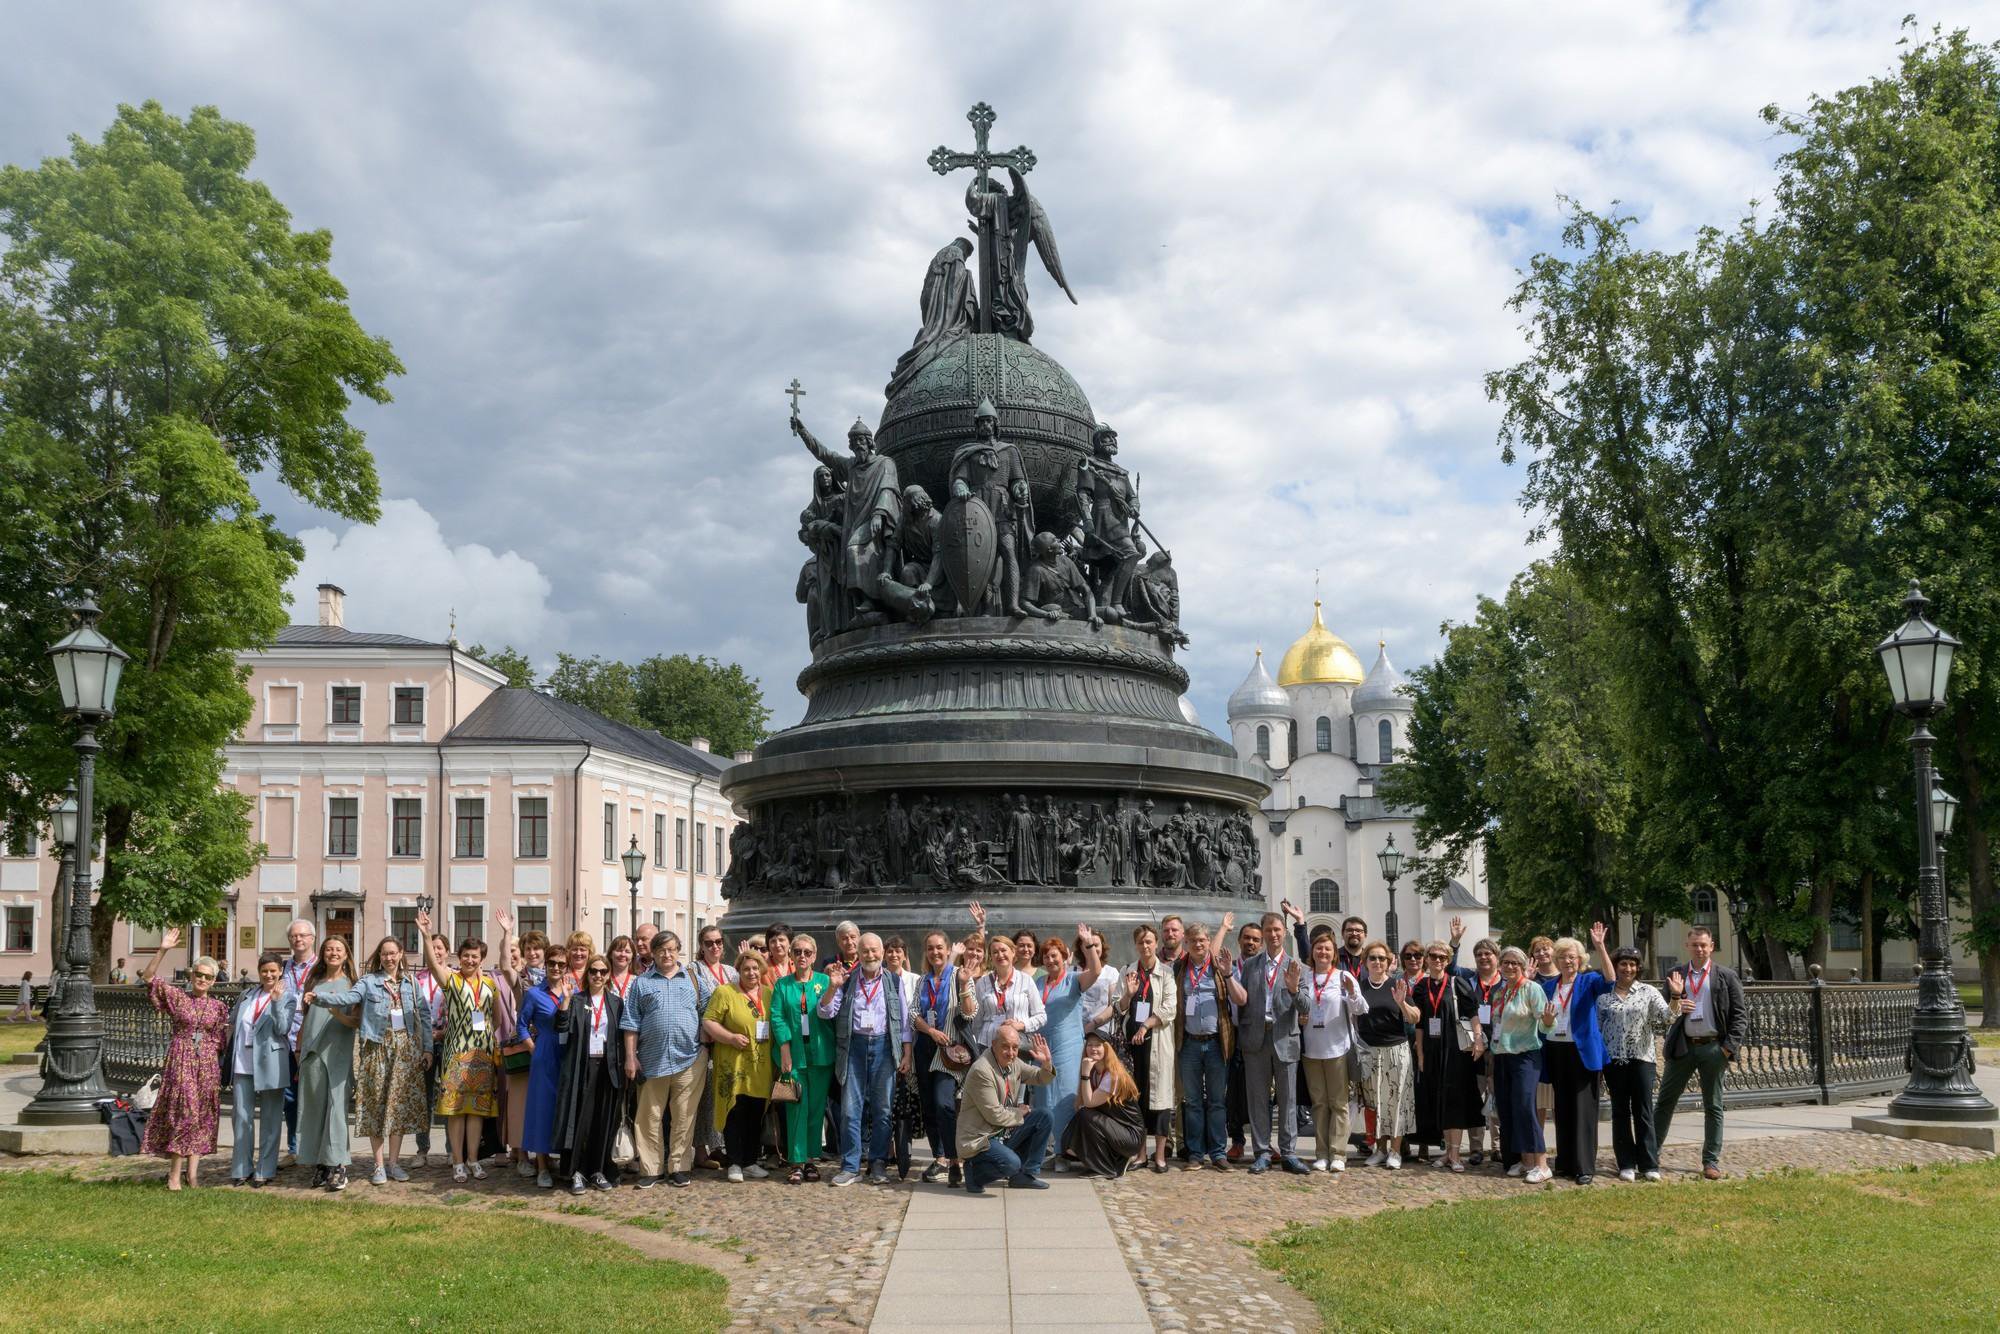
{"x": 1011, "y": 1056}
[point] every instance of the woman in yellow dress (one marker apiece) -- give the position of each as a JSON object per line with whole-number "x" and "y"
{"x": 469, "y": 1060}
{"x": 738, "y": 1022}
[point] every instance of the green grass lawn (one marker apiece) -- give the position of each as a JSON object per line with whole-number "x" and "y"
{"x": 1788, "y": 1252}
{"x": 18, "y": 1038}
{"x": 116, "y": 1256}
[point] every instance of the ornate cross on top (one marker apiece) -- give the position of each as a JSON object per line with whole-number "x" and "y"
{"x": 797, "y": 391}
{"x": 982, "y": 160}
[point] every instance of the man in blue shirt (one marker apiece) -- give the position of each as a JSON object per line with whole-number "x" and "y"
{"x": 662, "y": 1027}
{"x": 872, "y": 1043}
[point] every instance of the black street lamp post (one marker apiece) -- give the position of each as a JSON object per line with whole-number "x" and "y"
{"x": 635, "y": 866}
{"x": 1917, "y": 659}
{"x": 88, "y": 667}
{"x": 1390, "y": 858}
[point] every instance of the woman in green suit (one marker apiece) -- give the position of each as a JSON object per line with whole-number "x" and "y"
{"x": 326, "y": 1062}
{"x": 805, "y": 1056}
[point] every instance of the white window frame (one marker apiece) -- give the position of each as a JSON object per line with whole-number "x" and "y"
{"x": 548, "y": 828}
{"x": 361, "y": 709}
{"x": 610, "y": 832}
{"x": 33, "y": 908}
{"x": 287, "y": 731}
{"x": 422, "y": 825}
{"x": 265, "y": 907}
{"x": 326, "y": 801}
{"x": 290, "y": 854}
{"x": 410, "y": 731}
{"x": 660, "y": 839}
{"x": 485, "y": 830}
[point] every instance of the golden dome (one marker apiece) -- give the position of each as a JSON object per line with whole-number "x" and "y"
{"x": 1319, "y": 657}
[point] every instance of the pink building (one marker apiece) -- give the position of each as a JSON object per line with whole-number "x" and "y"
{"x": 384, "y": 769}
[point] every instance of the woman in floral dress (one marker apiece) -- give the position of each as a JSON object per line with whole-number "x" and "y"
{"x": 182, "y": 1124}
{"x": 469, "y": 1062}
{"x": 391, "y": 1060}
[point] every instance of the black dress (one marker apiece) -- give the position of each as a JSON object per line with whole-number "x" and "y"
{"x": 1104, "y": 1139}
{"x": 1448, "y": 1084}
{"x": 590, "y": 1090}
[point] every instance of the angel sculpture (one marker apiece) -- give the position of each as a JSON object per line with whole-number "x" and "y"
{"x": 1017, "y": 221}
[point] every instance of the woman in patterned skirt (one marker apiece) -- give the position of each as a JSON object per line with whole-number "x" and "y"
{"x": 182, "y": 1124}
{"x": 389, "y": 1066}
{"x": 469, "y": 1082}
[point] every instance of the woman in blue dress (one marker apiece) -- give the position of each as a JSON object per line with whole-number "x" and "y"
{"x": 537, "y": 1021}
{"x": 1063, "y": 988}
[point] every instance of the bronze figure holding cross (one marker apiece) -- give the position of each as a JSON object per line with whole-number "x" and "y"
{"x": 1007, "y": 224}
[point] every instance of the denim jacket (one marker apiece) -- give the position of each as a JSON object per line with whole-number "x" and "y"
{"x": 374, "y": 996}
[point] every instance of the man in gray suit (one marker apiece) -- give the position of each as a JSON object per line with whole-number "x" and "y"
{"x": 1268, "y": 1002}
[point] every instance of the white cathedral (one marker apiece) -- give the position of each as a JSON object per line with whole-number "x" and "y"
{"x": 1320, "y": 735}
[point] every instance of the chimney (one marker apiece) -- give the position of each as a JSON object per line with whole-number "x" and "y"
{"x": 741, "y": 757}
{"x": 330, "y": 612}
{"x": 700, "y": 743}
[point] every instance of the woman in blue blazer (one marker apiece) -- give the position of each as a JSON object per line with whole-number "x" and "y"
{"x": 1573, "y": 1051}
{"x": 260, "y": 1062}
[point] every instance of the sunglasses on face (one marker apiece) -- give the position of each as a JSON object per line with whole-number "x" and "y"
{"x": 204, "y": 977}
{"x": 1380, "y": 958}
{"x": 600, "y": 972}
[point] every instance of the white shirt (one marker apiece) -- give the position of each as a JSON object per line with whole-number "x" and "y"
{"x": 247, "y": 1015}
{"x": 1098, "y": 998}
{"x": 871, "y": 1004}
{"x": 1021, "y": 1001}
{"x": 1274, "y": 969}
{"x": 1701, "y": 1019}
{"x": 1334, "y": 1001}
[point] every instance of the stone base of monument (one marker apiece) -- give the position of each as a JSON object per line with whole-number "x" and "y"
{"x": 55, "y": 1139}
{"x": 1981, "y": 1135}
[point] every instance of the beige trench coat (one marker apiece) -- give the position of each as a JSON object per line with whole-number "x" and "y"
{"x": 1160, "y": 1047}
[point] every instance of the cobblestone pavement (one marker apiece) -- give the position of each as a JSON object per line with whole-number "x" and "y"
{"x": 1190, "y": 1237}
{"x": 796, "y": 1257}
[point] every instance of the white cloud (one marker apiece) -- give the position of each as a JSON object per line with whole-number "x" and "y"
{"x": 402, "y": 577}
{"x": 601, "y": 239}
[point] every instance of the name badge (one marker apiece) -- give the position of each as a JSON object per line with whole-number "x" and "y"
{"x": 479, "y": 1021}
{"x": 396, "y": 1021}
{"x": 1142, "y": 1011}
{"x": 1437, "y": 1027}
{"x": 763, "y": 1030}
{"x": 562, "y": 1037}
{"x": 596, "y": 1043}
{"x": 1561, "y": 1029}
{"x": 1486, "y": 1014}
{"x": 805, "y": 1021}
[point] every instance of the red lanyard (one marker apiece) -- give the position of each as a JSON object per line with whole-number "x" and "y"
{"x": 257, "y": 1010}
{"x": 1437, "y": 995}
{"x": 1320, "y": 984}
{"x": 755, "y": 1007}
{"x": 622, "y": 987}
{"x": 1052, "y": 984}
{"x": 1486, "y": 990}
{"x": 715, "y": 971}
{"x": 1563, "y": 994}
{"x": 869, "y": 997}
{"x": 596, "y": 1016}
{"x": 1695, "y": 986}
{"x": 1271, "y": 969}
{"x": 477, "y": 986}
{"x": 1145, "y": 987}
{"x": 296, "y": 972}
{"x": 1196, "y": 979}
{"x": 933, "y": 988}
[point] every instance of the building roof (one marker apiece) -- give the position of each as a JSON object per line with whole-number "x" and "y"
{"x": 335, "y": 636}
{"x": 1258, "y": 693}
{"x": 514, "y": 714}
{"x": 1384, "y": 687}
{"x": 1319, "y": 657}
{"x": 1458, "y": 898}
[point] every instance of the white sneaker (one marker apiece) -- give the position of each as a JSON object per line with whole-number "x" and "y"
{"x": 1395, "y": 1162}
{"x": 1336, "y": 1165}
{"x": 379, "y": 1177}
{"x": 756, "y": 1172}
{"x": 478, "y": 1172}
{"x": 1627, "y": 1174}
{"x": 525, "y": 1167}
{"x": 396, "y": 1172}
{"x": 1652, "y": 1174}
{"x": 1377, "y": 1158}
{"x": 1516, "y": 1170}
{"x": 545, "y": 1179}
{"x": 1319, "y": 1164}
{"x": 458, "y": 1171}
{"x": 736, "y": 1175}
{"x": 1537, "y": 1175}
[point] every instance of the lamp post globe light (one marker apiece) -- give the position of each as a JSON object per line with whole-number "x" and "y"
{"x": 88, "y": 668}
{"x": 1390, "y": 859}
{"x": 1917, "y": 659}
{"x": 635, "y": 867}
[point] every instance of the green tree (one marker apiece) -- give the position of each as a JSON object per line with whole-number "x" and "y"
{"x": 597, "y": 684}
{"x": 164, "y": 335}
{"x": 509, "y": 662}
{"x": 683, "y": 698}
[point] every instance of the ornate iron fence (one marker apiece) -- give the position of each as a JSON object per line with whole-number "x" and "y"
{"x": 135, "y": 1034}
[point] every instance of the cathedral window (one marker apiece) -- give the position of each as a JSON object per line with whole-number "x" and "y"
{"x": 1323, "y": 733}
{"x": 1291, "y": 744}
{"x": 1263, "y": 742}
{"x": 1324, "y": 896}
{"x": 1385, "y": 742}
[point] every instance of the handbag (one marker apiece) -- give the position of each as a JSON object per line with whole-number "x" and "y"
{"x": 623, "y": 1148}
{"x": 785, "y": 1089}
{"x": 516, "y": 1056}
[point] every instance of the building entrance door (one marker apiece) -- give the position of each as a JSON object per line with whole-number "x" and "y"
{"x": 340, "y": 922}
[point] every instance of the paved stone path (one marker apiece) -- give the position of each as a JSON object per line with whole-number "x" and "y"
{"x": 1011, "y": 1260}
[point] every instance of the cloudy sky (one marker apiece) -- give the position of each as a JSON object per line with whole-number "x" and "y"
{"x": 603, "y": 238}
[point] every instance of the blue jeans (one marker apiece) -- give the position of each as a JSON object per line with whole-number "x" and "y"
{"x": 268, "y": 1110}
{"x": 1020, "y": 1154}
{"x": 1204, "y": 1095}
{"x": 870, "y": 1082}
